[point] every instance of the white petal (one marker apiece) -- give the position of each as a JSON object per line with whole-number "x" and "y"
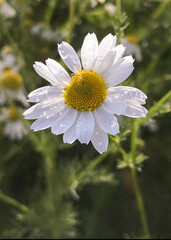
{"x": 119, "y": 52}
{"x": 125, "y": 93}
{"x": 114, "y": 106}
{"x": 85, "y": 127}
{"x": 70, "y": 135}
{"x": 45, "y": 73}
{"x": 43, "y": 110}
{"x": 106, "y": 121}
{"x": 69, "y": 57}
{"x": 135, "y": 110}
{"x": 104, "y": 48}
{"x": 118, "y": 73}
{"x": 100, "y": 139}
{"x": 105, "y": 64}
{"x": 44, "y": 94}
{"x": 44, "y": 122}
{"x": 59, "y": 72}
{"x": 65, "y": 121}
{"x": 89, "y": 51}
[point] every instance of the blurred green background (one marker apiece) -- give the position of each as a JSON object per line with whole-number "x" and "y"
{"x": 86, "y": 201}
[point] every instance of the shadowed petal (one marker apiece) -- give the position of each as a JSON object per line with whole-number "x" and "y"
{"x": 44, "y": 94}
{"x": 45, "y": 73}
{"x": 70, "y": 135}
{"x": 65, "y": 121}
{"x": 100, "y": 139}
{"x": 59, "y": 72}
{"x": 106, "y": 121}
{"x": 85, "y": 127}
{"x": 135, "y": 110}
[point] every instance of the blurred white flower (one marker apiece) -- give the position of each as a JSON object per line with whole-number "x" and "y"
{"x": 6, "y": 10}
{"x": 7, "y": 60}
{"x": 46, "y": 33}
{"x": 13, "y": 126}
{"x": 15, "y": 130}
{"x": 82, "y": 106}
{"x": 132, "y": 47}
{"x": 110, "y": 9}
{"x": 152, "y": 125}
{"x": 95, "y": 2}
{"x": 11, "y": 82}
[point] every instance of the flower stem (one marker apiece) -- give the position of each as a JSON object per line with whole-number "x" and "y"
{"x": 119, "y": 17}
{"x": 118, "y": 6}
{"x": 13, "y": 202}
{"x": 50, "y": 10}
{"x": 71, "y": 20}
{"x": 136, "y": 184}
{"x": 50, "y": 172}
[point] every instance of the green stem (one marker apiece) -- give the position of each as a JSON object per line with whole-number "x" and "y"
{"x": 71, "y": 19}
{"x": 120, "y": 149}
{"x": 119, "y": 16}
{"x": 118, "y": 6}
{"x": 140, "y": 204}
{"x": 50, "y": 172}
{"x": 135, "y": 182}
{"x": 50, "y": 10}
{"x": 13, "y": 202}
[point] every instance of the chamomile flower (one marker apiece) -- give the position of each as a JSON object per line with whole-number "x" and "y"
{"x": 83, "y": 106}
{"x": 13, "y": 126}
{"x": 11, "y": 81}
{"x": 132, "y": 47}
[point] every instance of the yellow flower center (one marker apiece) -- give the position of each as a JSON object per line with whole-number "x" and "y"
{"x": 86, "y": 92}
{"x": 11, "y": 79}
{"x": 1, "y": 1}
{"x": 13, "y": 114}
{"x": 132, "y": 39}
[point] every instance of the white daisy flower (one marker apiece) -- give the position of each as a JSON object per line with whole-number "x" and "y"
{"x": 82, "y": 106}
{"x": 13, "y": 128}
{"x": 6, "y": 10}
{"x": 132, "y": 47}
{"x": 11, "y": 80}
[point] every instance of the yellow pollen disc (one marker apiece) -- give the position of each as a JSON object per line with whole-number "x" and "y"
{"x": 132, "y": 39}
{"x": 11, "y": 79}
{"x": 13, "y": 114}
{"x": 86, "y": 92}
{"x": 1, "y": 1}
